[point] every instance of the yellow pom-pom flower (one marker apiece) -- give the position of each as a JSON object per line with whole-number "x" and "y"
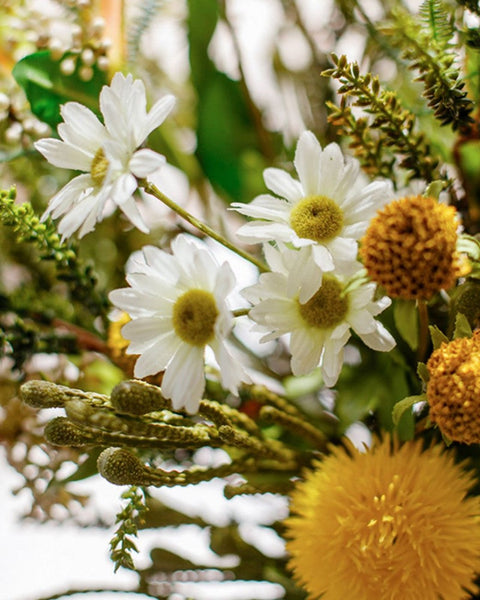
{"x": 410, "y": 248}
{"x": 453, "y": 390}
{"x": 392, "y": 523}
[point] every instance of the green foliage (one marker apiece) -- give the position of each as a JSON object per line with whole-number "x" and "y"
{"x": 226, "y": 137}
{"x": 394, "y": 126}
{"x": 128, "y": 519}
{"x": 406, "y": 321}
{"x": 21, "y": 339}
{"x": 47, "y": 88}
{"x": 28, "y": 228}
{"x": 462, "y": 327}
{"x": 404, "y": 405}
{"x": 428, "y": 46}
{"x": 438, "y": 337}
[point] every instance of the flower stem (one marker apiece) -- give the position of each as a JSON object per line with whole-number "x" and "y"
{"x": 423, "y": 330}
{"x": 152, "y": 189}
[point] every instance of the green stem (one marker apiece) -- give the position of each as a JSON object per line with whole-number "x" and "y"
{"x": 152, "y": 189}
{"x": 423, "y": 336}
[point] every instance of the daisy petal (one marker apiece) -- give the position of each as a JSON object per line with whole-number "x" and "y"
{"x": 184, "y": 379}
{"x": 307, "y": 163}
{"x": 60, "y": 154}
{"x": 145, "y": 161}
{"x": 282, "y": 184}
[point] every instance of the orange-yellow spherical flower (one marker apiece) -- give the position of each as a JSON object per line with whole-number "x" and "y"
{"x": 453, "y": 390}
{"x": 410, "y": 248}
{"x": 392, "y": 523}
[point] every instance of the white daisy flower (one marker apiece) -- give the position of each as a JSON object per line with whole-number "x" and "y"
{"x": 107, "y": 153}
{"x": 320, "y": 327}
{"x": 325, "y": 210}
{"x": 178, "y": 306}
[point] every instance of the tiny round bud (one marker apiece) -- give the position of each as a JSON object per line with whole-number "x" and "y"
{"x": 56, "y": 49}
{"x": 14, "y": 133}
{"x": 67, "y": 66}
{"x": 41, "y": 129}
{"x": 98, "y": 25}
{"x": 85, "y": 73}
{"x": 121, "y": 467}
{"x": 103, "y": 63}
{"x": 4, "y": 101}
{"x": 88, "y": 57}
{"x": 29, "y": 124}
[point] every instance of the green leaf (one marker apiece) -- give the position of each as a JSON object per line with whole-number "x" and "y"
{"x": 462, "y": 327}
{"x": 406, "y": 321}
{"x": 422, "y": 372}
{"x": 438, "y": 337}
{"x": 405, "y": 404}
{"x": 433, "y": 189}
{"x": 47, "y": 88}
{"x": 227, "y": 142}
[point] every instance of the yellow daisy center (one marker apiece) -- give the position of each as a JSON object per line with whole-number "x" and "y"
{"x": 453, "y": 390}
{"x": 317, "y": 218}
{"x": 194, "y": 315}
{"x": 327, "y": 307}
{"x": 389, "y": 523}
{"x": 410, "y": 248}
{"x": 99, "y": 167}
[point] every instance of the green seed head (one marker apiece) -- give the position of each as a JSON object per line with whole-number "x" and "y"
{"x": 194, "y": 316}
{"x": 327, "y": 307}
{"x": 317, "y": 218}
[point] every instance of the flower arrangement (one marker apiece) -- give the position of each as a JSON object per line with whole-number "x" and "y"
{"x": 279, "y": 295}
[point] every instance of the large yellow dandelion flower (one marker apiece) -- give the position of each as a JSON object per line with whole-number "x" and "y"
{"x": 388, "y": 524}
{"x": 410, "y": 248}
{"x": 453, "y": 390}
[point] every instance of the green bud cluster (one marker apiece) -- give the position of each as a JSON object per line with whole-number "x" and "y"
{"x": 137, "y": 417}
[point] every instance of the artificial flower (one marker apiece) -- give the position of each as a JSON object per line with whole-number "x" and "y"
{"x": 177, "y": 304}
{"x": 390, "y": 523}
{"x": 107, "y": 153}
{"x": 327, "y": 210}
{"x": 320, "y": 327}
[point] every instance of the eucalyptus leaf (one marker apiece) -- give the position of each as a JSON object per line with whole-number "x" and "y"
{"x": 47, "y": 88}
{"x": 406, "y": 321}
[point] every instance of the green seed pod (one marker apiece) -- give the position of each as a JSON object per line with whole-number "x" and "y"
{"x": 121, "y": 467}
{"x": 42, "y": 394}
{"x": 60, "y": 432}
{"x": 138, "y": 398}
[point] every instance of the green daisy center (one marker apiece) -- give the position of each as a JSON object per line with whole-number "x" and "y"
{"x": 99, "y": 167}
{"x": 327, "y": 307}
{"x": 194, "y": 316}
{"x": 317, "y": 218}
